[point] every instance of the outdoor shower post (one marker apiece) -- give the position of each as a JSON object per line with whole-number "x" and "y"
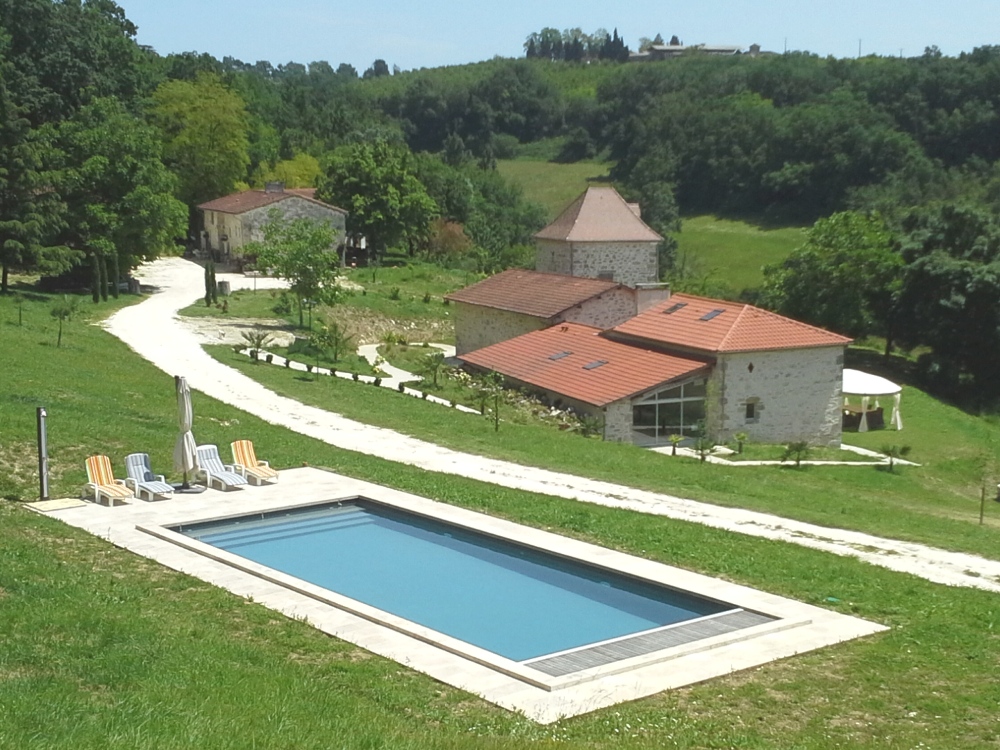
{"x": 43, "y": 456}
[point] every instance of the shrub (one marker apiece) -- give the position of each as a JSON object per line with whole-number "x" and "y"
{"x": 401, "y": 387}
{"x": 427, "y": 297}
{"x": 377, "y": 382}
{"x": 394, "y": 293}
{"x": 356, "y": 377}
{"x": 269, "y": 358}
{"x": 288, "y": 362}
{"x": 309, "y": 367}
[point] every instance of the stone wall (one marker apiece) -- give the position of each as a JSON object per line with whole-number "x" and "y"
{"x": 618, "y": 421}
{"x": 628, "y": 263}
{"x": 477, "y": 326}
{"x": 606, "y": 311}
{"x": 552, "y": 256}
{"x": 796, "y": 393}
{"x": 292, "y": 207}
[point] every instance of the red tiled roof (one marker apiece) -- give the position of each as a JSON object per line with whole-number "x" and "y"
{"x": 238, "y": 203}
{"x": 738, "y": 327}
{"x": 599, "y": 215}
{"x": 542, "y": 295}
{"x": 627, "y": 370}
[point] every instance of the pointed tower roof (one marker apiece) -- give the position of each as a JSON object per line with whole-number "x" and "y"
{"x": 599, "y": 215}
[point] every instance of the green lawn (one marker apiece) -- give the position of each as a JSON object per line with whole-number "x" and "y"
{"x": 553, "y": 185}
{"x": 732, "y": 253}
{"x": 102, "y": 649}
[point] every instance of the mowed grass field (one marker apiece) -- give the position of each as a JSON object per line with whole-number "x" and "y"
{"x": 716, "y": 252}
{"x": 103, "y": 649}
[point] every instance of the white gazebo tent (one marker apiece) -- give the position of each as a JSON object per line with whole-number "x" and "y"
{"x": 867, "y": 386}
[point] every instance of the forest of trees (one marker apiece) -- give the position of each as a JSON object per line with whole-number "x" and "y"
{"x": 105, "y": 148}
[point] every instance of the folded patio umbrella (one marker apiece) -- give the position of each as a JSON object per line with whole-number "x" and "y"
{"x": 185, "y": 455}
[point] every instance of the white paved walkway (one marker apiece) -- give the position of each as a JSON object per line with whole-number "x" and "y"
{"x": 154, "y": 332}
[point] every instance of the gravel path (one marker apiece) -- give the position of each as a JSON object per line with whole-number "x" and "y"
{"x": 153, "y": 330}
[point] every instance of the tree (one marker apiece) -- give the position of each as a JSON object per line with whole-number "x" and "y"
{"x": 846, "y": 277}
{"x": 894, "y": 453}
{"x": 29, "y": 210}
{"x": 205, "y": 133}
{"x": 950, "y": 297}
{"x": 376, "y": 184}
{"x": 333, "y": 339}
{"x": 63, "y": 311}
{"x": 378, "y": 69}
{"x": 431, "y": 365}
{"x": 117, "y": 192}
{"x": 797, "y": 450}
{"x": 302, "y": 251}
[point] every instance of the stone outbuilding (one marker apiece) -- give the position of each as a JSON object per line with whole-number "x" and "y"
{"x": 234, "y": 220}
{"x": 600, "y": 236}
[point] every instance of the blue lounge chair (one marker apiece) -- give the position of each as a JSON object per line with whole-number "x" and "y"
{"x": 210, "y": 466}
{"x": 142, "y": 481}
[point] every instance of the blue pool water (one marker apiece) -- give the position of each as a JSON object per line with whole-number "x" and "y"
{"x": 498, "y": 595}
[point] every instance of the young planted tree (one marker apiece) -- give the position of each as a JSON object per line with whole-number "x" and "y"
{"x": 431, "y": 366}
{"x": 797, "y": 450}
{"x": 62, "y": 311}
{"x": 894, "y": 453}
{"x": 740, "y": 438}
{"x": 302, "y": 251}
{"x": 675, "y": 440}
{"x": 257, "y": 338}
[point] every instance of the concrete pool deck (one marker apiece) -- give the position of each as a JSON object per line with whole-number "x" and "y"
{"x": 139, "y": 527}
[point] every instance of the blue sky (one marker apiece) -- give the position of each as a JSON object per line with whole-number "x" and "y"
{"x": 446, "y": 32}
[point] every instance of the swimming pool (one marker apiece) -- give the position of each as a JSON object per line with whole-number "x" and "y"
{"x": 549, "y": 613}
{"x": 503, "y": 597}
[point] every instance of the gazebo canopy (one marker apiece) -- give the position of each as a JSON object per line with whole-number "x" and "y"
{"x": 857, "y": 383}
{"x": 866, "y": 385}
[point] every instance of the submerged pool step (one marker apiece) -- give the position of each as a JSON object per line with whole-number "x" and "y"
{"x": 646, "y": 643}
{"x": 255, "y": 533}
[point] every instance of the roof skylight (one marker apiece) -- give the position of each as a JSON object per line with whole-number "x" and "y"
{"x": 674, "y": 308}
{"x": 595, "y": 364}
{"x": 713, "y": 314}
{"x": 559, "y": 355}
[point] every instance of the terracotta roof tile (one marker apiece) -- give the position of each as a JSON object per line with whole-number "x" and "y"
{"x": 557, "y": 359}
{"x": 247, "y": 200}
{"x": 542, "y": 295}
{"x": 599, "y": 215}
{"x": 709, "y": 325}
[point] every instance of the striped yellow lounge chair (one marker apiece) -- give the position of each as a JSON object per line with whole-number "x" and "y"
{"x": 245, "y": 460}
{"x": 103, "y": 486}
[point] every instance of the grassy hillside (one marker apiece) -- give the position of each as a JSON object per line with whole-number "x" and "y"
{"x": 732, "y": 252}
{"x": 553, "y": 185}
{"x": 103, "y": 649}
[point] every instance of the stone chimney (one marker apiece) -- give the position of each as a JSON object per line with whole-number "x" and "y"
{"x": 274, "y": 187}
{"x": 647, "y": 295}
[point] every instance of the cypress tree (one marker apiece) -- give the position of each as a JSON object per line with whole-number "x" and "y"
{"x": 114, "y": 274}
{"x": 102, "y": 266}
{"x": 208, "y": 284}
{"x": 95, "y": 278}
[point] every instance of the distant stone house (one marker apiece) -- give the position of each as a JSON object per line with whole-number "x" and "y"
{"x": 686, "y": 363}
{"x": 234, "y": 220}
{"x": 600, "y": 236}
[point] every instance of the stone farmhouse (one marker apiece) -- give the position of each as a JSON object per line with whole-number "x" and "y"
{"x": 647, "y": 363}
{"x": 234, "y": 220}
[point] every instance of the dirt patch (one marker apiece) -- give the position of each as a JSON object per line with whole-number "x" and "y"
{"x": 370, "y": 327}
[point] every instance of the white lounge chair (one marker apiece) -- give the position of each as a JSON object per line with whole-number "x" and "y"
{"x": 142, "y": 481}
{"x": 213, "y": 472}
